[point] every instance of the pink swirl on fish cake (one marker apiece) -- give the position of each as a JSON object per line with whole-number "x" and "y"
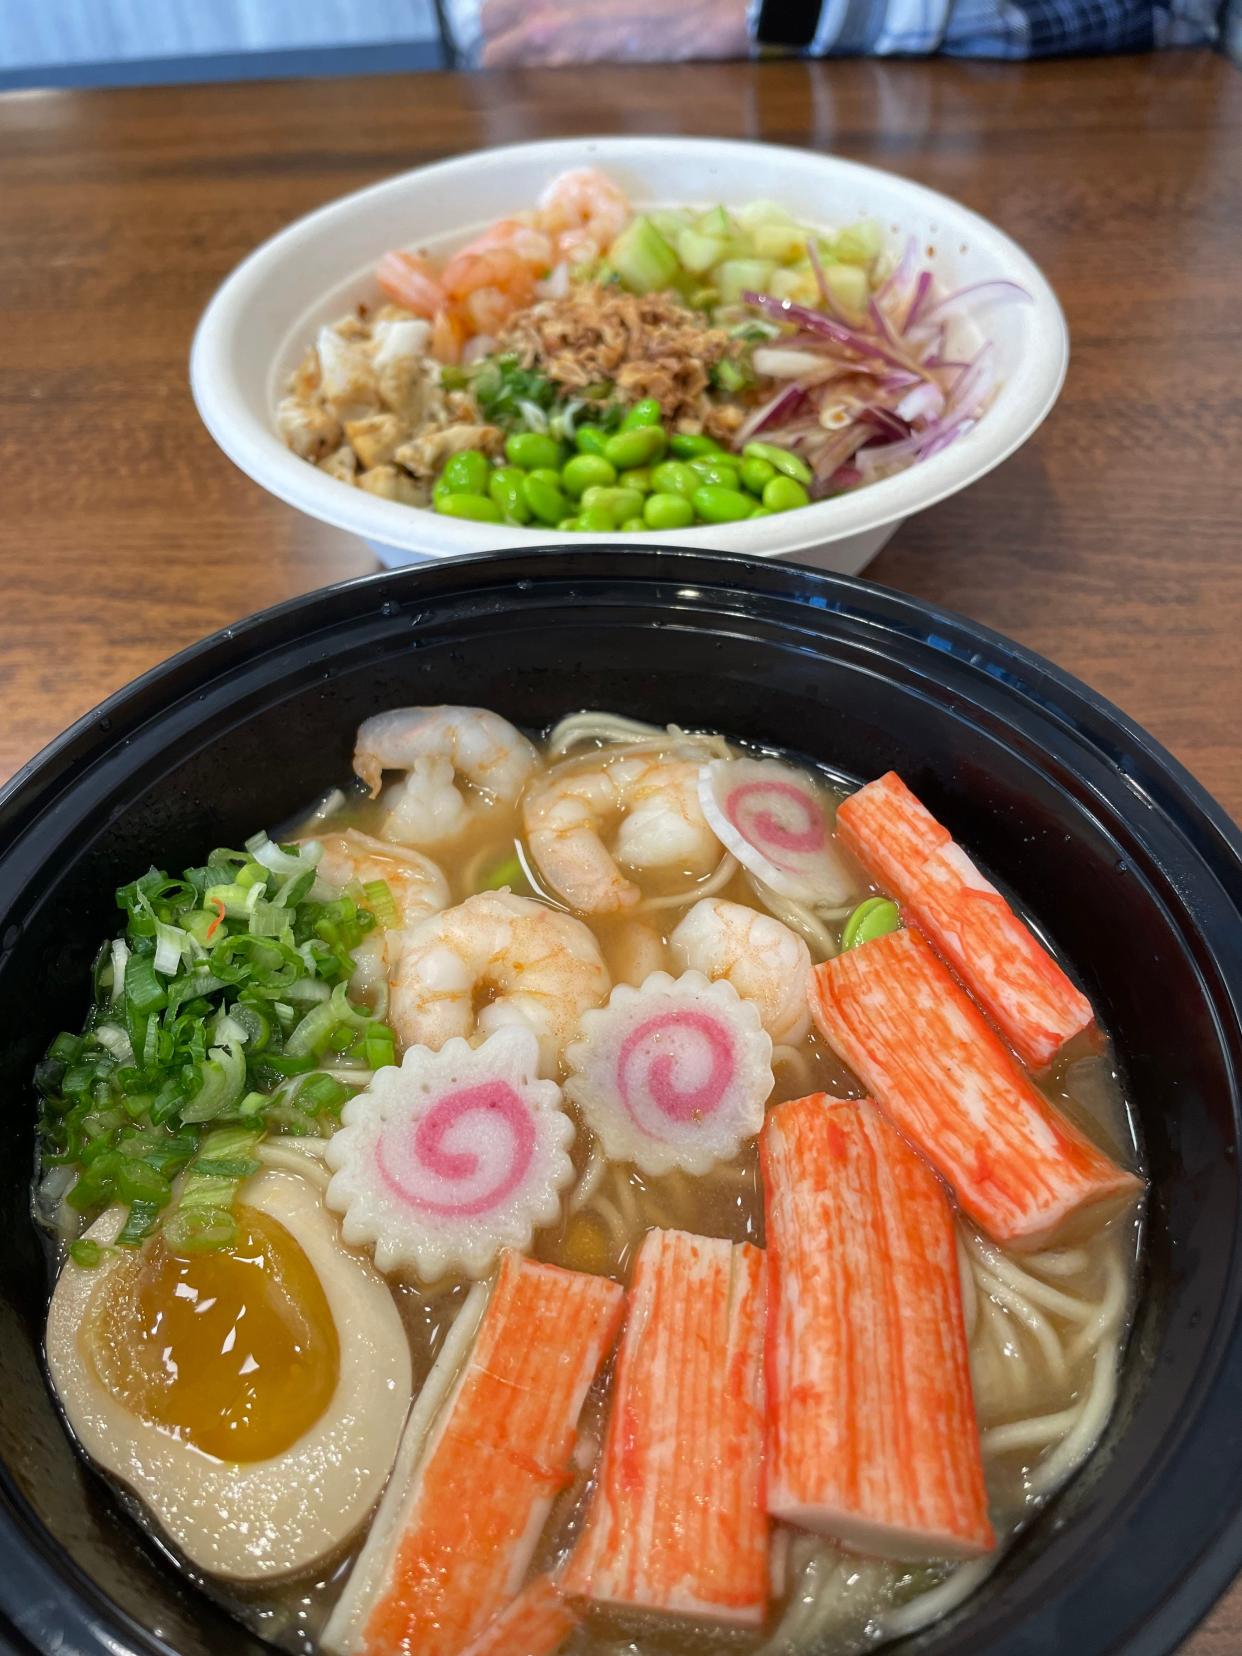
{"x": 752, "y": 809}
{"x": 672, "y": 1074}
{"x": 660, "y": 1083}
{"x": 421, "y": 1166}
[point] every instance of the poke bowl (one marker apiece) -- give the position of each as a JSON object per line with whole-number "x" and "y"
{"x": 923, "y": 346}
{"x": 1102, "y": 850}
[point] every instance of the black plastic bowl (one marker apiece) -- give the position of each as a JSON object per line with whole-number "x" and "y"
{"x": 1131, "y": 869}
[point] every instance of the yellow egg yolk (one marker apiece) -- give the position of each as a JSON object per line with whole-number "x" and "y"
{"x": 235, "y": 1352}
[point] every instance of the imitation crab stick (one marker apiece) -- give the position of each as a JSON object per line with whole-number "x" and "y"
{"x": 872, "y": 1431}
{"x": 997, "y": 957}
{"x": 677, "y": 1523}
{"x": 536, "y": 1623}
{"x": 919, "y": 1044}
{"x": 486, "y": 1449}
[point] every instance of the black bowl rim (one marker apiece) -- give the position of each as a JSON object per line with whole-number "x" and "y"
{"x": 35, "y": 1575}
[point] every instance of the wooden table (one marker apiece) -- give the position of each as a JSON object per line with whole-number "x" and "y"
{"x": 1110, "y": 543}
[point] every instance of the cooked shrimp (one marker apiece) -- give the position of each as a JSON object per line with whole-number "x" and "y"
{"x": 496, "y": 959}
{"x": 584, "y": 212}
{"x": 417, "y": 886}
{"x": 765, "y": 961}
{"x": 661, "y": 826}
{"x": 495, "y": 267}
{"x": 445, "y": 751}
{"x": 448, "y": 335}
{"x": 411, "y": 280}
{"x": 531, "y": 245}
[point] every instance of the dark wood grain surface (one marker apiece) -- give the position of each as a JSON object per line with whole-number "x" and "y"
{"x": 1110, "y": 543}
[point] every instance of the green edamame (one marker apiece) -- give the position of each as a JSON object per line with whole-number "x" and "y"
{"x": 687, "y": 446}
{"x": 875, "y": 917}
{"x": 759, "y": 511}
{"x": 638, "y": 478}
{"x": 589, "y": 439}
{"x": 783, "y": 494}
{"x": 645, "y": 413}
{"x": 634, "y": 526}
{"x": 568, "y": 525}
{"x": 584, "y": 471}
{"x": 622, "y": 503}
{"x": 533, "y": 450}
{"x": 542, "y": 492}
{"x": 474, "y": 506}
{"x": 667, "y": 511}
{"x": 466, "y": 473}
{"x": 755, "y": 473}
{"x": 638, "y": 447}
{"x": 716, "y": 471}
{"x": 791, "y": 464}
{"x": 598, "y": 520}
{"x": 674, "y": 477}
{"x": 505, "y": 488}
{"x": 717, "y": 504}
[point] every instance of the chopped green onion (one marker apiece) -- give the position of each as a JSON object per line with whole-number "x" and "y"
{"x": 324, "y": 1092}
{"x": 380, "y": 1048}
{"x": 381, "y": 903}
{"x": 279, "y": 859}
{"x": 143, "y": 990}
{"x": 85, "y": 1252}
{"x": 209, "y": 1013}
{"x": 200, "y": 1230}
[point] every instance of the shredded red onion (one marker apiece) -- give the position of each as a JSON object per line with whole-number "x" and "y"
{"x": 909, "y": 398}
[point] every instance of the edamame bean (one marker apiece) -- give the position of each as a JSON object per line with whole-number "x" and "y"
{"x": 634, "y": 526}
{"x": 667, "y": 511}
{"x": 505, "y": 488}
{"x": 686, "y": 446}
{"x": 622, "y": 503}
{"x": 638, "y": 478}
{"x": 674, "y": 477}
{"x": 717, "y": 504}
{"x": 589, "y": 439}
{"x": 875, "y": 917}
{"x": 791, "y": 464}
{"x": 783, "y": 494}
{"x": 645, "y": 413}
{"x": 466, "y": 473}
{"x": 635, "y": 448}
{"x": 568, "y": 525}
{"x": 598, "y": 520}
{"x": 755, "y": 473}
{"x": 542, "y": 492}
{"x": 584, "y": 471}
{"x": 532, "y": 450}
{"x": 759, "y": 511}
{"x": 474, "y": 506}
{"x": 716, "y": 471}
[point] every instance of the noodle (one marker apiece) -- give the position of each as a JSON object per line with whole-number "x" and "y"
{"x": 611, "y": 728}
{"x": 592, "y": 1173}
{"x": 724, "y": 871}
{"x": 806, "y": 919}
{"x": 937, "y": 1601}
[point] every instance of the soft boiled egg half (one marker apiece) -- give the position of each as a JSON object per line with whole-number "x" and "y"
{"x": 253, "y": 1399}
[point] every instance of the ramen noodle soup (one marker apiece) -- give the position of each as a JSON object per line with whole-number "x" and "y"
{"x": 618, "y": 1191}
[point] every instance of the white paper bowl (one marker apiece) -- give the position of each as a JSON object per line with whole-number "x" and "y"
{"x": 258, "y": 325}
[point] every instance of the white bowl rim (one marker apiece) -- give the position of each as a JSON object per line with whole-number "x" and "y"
{"x": 256, "y": 448}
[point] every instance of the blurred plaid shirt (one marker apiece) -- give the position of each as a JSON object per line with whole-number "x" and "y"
{"x": 1009, "y": 28}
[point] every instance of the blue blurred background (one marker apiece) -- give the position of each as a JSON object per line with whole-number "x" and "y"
{"x": 139, "y": 42}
